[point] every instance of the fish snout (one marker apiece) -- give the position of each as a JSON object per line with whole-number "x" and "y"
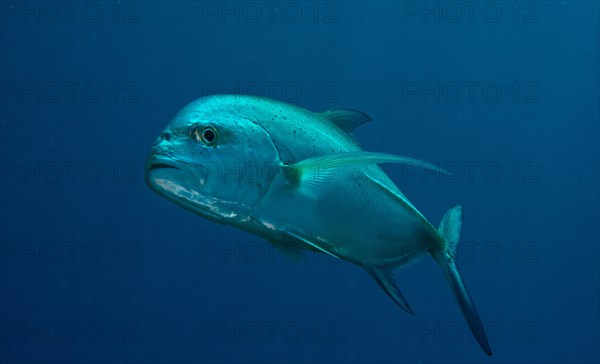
{"x": 164, "y": 136}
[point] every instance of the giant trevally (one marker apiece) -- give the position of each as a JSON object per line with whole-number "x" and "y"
{"x": 312, "y": 187}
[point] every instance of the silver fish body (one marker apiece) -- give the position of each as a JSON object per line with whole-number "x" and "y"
{"x": 300, "y": 180}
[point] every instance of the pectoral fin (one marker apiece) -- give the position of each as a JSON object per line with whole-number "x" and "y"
{"x": 306, "y": 241}
{"x": 322, "y": 169}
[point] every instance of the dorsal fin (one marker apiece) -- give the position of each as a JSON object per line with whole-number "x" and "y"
{"x": 346, "y": 119}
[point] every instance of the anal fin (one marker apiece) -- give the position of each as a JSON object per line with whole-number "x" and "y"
{"x": 385, "y": 279}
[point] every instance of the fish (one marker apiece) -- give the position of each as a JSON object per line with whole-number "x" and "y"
{"x": 300, "y": 180}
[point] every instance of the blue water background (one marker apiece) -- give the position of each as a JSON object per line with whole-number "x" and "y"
{"x": 149, "y": 282}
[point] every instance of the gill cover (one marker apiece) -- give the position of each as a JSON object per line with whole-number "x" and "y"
{"x": 223, "y": 162}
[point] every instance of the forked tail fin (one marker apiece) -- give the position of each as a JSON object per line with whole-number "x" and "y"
{"x": 450, "y": 229}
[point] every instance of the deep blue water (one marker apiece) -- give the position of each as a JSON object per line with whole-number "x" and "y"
{"x": 96, "y": 268}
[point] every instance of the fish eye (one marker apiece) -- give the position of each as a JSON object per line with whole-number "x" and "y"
{"x": 206, "y": 134}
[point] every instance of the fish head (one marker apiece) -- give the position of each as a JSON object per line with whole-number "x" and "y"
{"x": 213, "y": 160}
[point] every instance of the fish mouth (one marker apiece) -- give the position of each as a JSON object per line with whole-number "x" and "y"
{"x": 161, "y": 165}
{"x": 159, "y": 161}
{"x": 174, "y": 186}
